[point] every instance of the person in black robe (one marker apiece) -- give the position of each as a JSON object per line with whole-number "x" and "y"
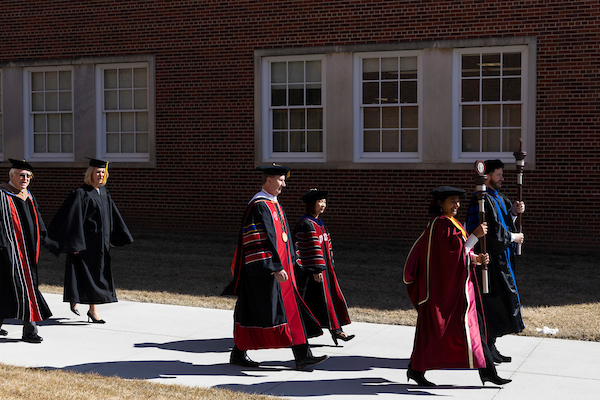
{"x": 502, "y": 304}
{"x": 269, "y": 312}
{"x": 317, "y": 280}
{"x": 85, "y": 227}
{"x": 22, "y": 232}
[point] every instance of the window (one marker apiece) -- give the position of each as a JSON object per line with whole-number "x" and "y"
{"x": 293, "y": 116}
{"x": 49, "y": 113}
{"x": 388, "y": 115}
{"x": 491, "y": 107}
{"x": 123, "y": 117}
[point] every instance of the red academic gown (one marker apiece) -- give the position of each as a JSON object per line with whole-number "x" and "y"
{"x": 325, "y": 299}
{"x": 268, "y": 314}
{"x": 439, "y": 278}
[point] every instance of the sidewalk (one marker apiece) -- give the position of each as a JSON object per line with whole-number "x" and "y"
{"x": 190, "y": 346}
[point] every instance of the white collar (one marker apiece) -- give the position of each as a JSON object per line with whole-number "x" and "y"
{"x": 263, "y": 194}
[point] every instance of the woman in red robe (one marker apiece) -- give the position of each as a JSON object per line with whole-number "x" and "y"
{"x": 439, "y": 274}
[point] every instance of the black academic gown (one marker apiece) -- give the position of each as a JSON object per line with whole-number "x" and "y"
{"x": 265, "y": 316}
{"x": 88, "y": 223}
{"x": 22, "y": 232}
{"x": 502, "y": 304}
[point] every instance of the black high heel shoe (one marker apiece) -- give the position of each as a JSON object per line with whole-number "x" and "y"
{"x": 93, "y": 320}
{"x": 496, "y": 380}
{"x": 74, "y": 310}
{"x": 419, "y": 377}
{"x": 335, "y": 335}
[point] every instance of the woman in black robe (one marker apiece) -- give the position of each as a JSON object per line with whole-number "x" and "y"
{"x": 85, "y": 227}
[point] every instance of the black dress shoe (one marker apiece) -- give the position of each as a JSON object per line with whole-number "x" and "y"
{"x": 3, "y": 332}
{"x": 94, "y": 320}
{"x": 74, "y": 310}
{"x": 335, "y": 335}
{"x": 419, "y": 377}
{"x": 496, "y": 380}
{"x": 499, "y": 358}
{"x": 239, "y": 357}
{"x": 309, "y": 360}
{"x": 33, "y": 338}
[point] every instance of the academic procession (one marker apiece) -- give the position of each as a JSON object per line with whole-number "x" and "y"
{"x": 460, "y": 276}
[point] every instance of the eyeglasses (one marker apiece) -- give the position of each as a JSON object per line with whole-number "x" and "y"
{"x": 29, "y": 176}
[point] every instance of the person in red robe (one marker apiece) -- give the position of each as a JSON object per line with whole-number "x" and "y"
{"x": 318, "y": 282}
{"x": 441, "y": 283}
{"x": 269, "y": 312}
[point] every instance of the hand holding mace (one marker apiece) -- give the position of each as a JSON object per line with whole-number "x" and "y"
{"x": 480, "y": 178}
{"x": 520, "y": 162}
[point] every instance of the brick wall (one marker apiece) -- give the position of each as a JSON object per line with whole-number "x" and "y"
{"x": 205, "y": 106}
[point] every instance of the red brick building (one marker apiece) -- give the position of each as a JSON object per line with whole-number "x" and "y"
{"x": 375, "y": 101}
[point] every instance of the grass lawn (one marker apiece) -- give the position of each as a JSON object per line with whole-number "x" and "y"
{"x": 557, "y": 290}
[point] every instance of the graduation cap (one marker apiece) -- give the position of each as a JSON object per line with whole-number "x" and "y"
{"x": 447, "y": 191}
{"x": 492, "y": 165}
{"x": 313, "y": 195}
{"x": 97, "y": 163}
{"x": 20, "y": 164}
{"x": 275, "y": 170}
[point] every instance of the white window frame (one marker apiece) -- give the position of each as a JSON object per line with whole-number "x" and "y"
{"x": 101, "y": 119}
{"x": 28, "y": 124}
{"x": 458, "y": 156}
{"x": 268, "y": 155}
{"x": 384, "y": 157}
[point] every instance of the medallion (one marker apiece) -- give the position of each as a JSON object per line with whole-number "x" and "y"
{"x": 284, "y": 236}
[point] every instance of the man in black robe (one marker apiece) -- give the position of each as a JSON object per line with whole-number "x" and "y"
{"x": 269, "y": 312}
{"x": 22, "y": 232}
{"x": 502, "y": 305}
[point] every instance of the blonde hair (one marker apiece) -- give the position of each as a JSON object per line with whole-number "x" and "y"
{"x": 90, "y": 171}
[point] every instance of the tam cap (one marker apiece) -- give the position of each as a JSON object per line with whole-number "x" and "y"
{"x": 275, "y": 170}
{"x": 313, "y": 195}
{"x": 21, "y": 164}
{"x": 492, "y": 165}
{"x": 97, "y": 163}
{"x": 447, "y": 191}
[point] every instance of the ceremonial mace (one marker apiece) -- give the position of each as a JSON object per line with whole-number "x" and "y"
{"x": 520, "y": 162}
{"x": 480, "y": 178}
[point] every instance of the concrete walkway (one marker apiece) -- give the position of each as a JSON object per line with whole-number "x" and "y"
{"x": 190, "y": 346}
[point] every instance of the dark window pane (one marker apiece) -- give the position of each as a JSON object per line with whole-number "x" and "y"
{"x": 390, "y": 141}
{"x": 511, "y": 64}
{"x": 490, "y": 139}
{"x": 470, "y": 116}
{"x": 296, "y": 71}
{"x": 371, "y": 141}
{"x": 280, "y": 142}
{"x": 371, "y": 117}
{"x": 470, "y": 65}
{"x": 313, "y": 95}
{"x": 408, "y": 92}
{"x": 511, "y": 115}
{"x": 315, "y": 141}
{"x": 280, "y": 119}
{"x": 510, "y": 140}
{"x": 409, "y": 117}
{"x": 297, "y": 142}
{"x": 491, "y": 115}
{"x": 390, "y": 117}
{"x": 511, "y": 89}
{"x": 278, "y": 96}
{"x": 278, "y": 72}
{"x": 470, "y": 90}
{"x": 314, "y": 118}
{"x": 389, "y": 92}
{"x": 389, "y": 68}
{"x": 490, "y": 65}
{"x": 296, "y": 95}
{"x": 297, "y": 118}
{"x": 408, "y": 68}
{"x": 370, "y": 93}
{"x": 410, "y": 141}
{"x": 470, "y": 140}
{"x": 490, "y": 89}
